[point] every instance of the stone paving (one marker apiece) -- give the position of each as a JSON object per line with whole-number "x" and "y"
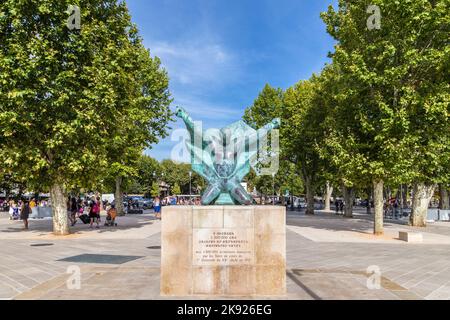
{"x": 327, "y": 258}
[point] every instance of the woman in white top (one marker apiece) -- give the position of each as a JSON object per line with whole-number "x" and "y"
{"x": 11, "y": 210}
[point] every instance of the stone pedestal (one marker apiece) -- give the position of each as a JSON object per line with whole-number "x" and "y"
{"x": 223, "y": 250}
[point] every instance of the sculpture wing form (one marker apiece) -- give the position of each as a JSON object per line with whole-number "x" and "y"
{"x": 224, "y": 157}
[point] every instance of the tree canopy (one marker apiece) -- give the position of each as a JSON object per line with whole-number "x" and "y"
{"x": 75, "y": 104}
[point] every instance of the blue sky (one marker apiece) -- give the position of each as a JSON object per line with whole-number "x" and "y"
{"x": 220, "y": 54}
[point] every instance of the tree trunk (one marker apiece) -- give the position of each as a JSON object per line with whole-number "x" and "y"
{"x": 444, "y": 201}
{"x": 309, "y": 196}
{"x": 59, "y": 210}
{"x": 401, "y": 204}
{"x": 405, "y": 197}
{"x": 327, "y": 197}
{"x": 378, "y": 204}
{"x": 20, "y": 192}
{"x": 118, "y": 196}
{"x": 421, "y": 199}
{"x": 348, "y": 199}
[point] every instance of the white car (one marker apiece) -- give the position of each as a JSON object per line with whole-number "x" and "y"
{"x": 299, "y": 202}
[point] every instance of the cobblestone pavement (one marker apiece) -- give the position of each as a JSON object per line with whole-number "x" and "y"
{"x": 327, "y": 258}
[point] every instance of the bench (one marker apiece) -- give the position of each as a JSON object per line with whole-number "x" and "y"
{"x": 408, "y": 236}
{"x": 135, "y": 211}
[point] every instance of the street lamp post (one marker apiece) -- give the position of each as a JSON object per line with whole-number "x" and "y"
{"x": 190, "y": 185}
{"x": 401, "y": 200}
{"x": 273, "y": 188}
{"x": 292, "y": 196}
{"x": 154, "y": 179}
{"x": 162, "y": 179}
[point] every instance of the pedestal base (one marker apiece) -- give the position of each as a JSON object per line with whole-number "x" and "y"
{"x": 223, "y": 250}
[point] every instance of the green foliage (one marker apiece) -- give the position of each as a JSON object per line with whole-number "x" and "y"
{"x": 270, "y": 104}
{"x": 174, "y": 173}
{"x": 147, "y": 172}
{"x": 379, "y": 111}
{"x": 391, "y": 115}
{"x": 76, "y": 105}
{"x": 176, "y": 190}
{"x": 303, "y": 132}
{"x": 155, "y": 191}
{"x": 266, "y": 107}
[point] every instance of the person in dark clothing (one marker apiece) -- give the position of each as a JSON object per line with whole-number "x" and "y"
{"x": 73, "y": 211}
{"x": 25, "y": 213}
{"x": 395, "y": 208}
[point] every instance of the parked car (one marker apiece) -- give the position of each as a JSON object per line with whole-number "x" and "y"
{"x": 125, "y": 203}
{"x": 299, "y": 202}
{"x": 147, "y": 203}
{"x": 142, "y": 203}
{"x": 363, "y": 203}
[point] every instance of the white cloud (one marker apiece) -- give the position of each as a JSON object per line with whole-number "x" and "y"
{"x": 196, "y": 63}
{"x": 201, "y": 109}
{"x": 197, "y": 68}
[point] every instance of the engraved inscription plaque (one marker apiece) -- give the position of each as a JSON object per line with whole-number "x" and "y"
{"x": 223, "y": 247}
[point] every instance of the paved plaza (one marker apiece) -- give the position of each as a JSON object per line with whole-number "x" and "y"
{"x": 327, "y": 258}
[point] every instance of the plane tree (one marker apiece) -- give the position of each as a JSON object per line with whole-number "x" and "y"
{"x": 65, "y": 94}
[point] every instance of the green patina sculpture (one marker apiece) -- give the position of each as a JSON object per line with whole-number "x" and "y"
{"x": 224, "y": 157}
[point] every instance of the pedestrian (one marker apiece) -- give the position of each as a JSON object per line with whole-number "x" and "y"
{"x": 25, "y": 213}
{"x": 12, "y": 207}
{"x": 94, "y": 213}
{"x": 157, "y": 208}
{"x": 86, "y": 207}
{"x": 341, "y": 206}
{"x": 111, "y": 217}
{"x": 99, "y": 205}
{"x": 73, "y": 211}
{"x": 32, "y": 203}
{"x": 336, "y": 204}
{"x": 395, "y": 208}
{"x": 80, "y": 208}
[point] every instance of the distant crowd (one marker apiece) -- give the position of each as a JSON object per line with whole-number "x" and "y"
{"x": 22, "y": 209}
{"x": 180, "y": 201}
{"x": 87, "y": 210}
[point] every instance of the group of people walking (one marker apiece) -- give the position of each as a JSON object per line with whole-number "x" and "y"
{"x": 88, "y": 211}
